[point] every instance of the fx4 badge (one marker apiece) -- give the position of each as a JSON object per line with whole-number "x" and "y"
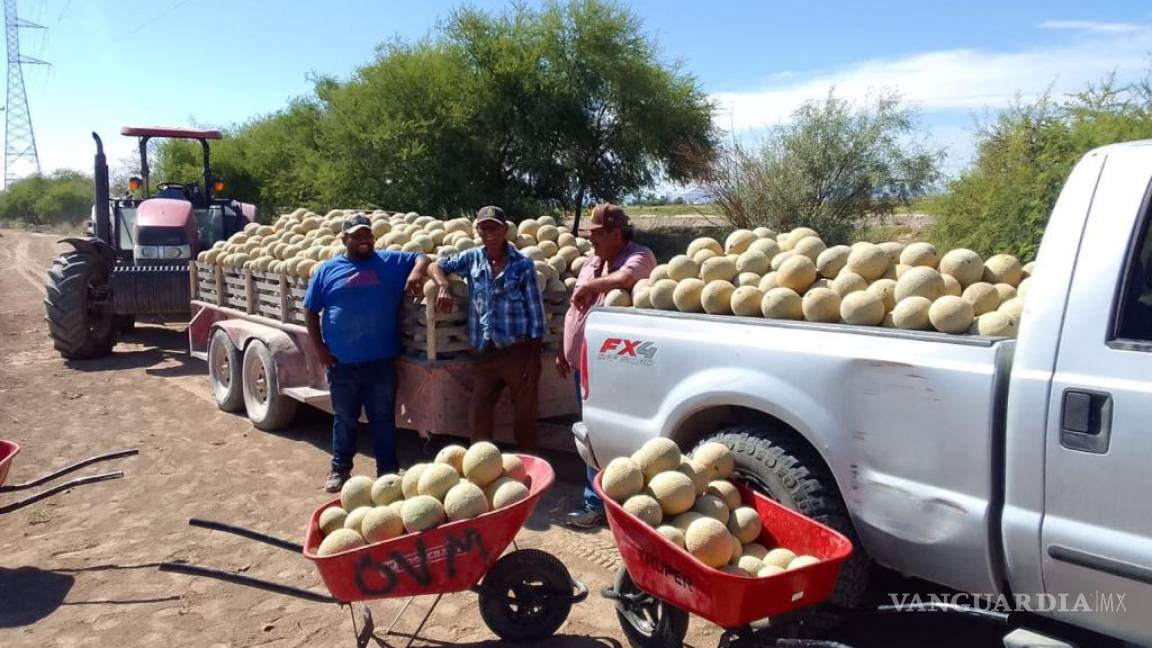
{"x": 634, "y": 352}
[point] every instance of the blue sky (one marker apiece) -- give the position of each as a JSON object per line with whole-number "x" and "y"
{"x": 213, "y": 62}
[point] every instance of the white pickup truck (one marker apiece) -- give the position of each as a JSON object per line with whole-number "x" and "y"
{"x": 1002, "y": 467}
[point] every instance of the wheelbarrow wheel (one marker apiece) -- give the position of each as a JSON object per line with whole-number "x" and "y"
{"x": 647, "y": 621}
{"x": 526, "y": 596}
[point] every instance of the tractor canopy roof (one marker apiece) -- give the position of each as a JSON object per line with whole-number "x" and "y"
{"x": 167, "y": 131}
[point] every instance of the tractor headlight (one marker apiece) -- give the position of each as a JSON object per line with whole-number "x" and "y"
{"x": 167, "y": 252}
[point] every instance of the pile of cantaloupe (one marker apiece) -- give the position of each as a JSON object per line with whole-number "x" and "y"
{"x": 299, "y": 241}
{"x": 691, "y": 502}
{"x": 795, "y": 276}
{"x": 460, "y": 484}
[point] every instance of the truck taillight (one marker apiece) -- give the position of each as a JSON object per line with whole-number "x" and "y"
{"x": 584, "y": 369}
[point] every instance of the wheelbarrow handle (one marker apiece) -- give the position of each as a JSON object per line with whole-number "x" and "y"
{"x": 67, "y": 469}
{"x": 247, "y": 533}
{"x": 240, "y": 579}
{"x": 79, "y": 481}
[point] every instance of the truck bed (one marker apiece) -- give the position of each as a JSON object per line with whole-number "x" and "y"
{"x": 907, "y": 421}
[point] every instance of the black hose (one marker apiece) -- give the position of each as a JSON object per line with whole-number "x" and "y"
{"x": 67, "y": 469}
{"x": 247, "y": 533}
{"x": 240, "y": 579}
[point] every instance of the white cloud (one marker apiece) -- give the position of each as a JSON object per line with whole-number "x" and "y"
{"x": 951, "y": 80}
{"x": 1090, "y": 26}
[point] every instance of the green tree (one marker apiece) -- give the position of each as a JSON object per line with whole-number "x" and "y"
{"x": 61, "y": 198}
{"x": 830, "y": 167}
{"x": 1001, "y": 203}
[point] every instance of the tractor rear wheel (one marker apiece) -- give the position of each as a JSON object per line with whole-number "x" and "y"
{"x": 78, "y": 306}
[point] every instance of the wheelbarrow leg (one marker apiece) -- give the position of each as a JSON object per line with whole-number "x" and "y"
{"x": 364, "y": 632}
{"x": 423, "y": 621}
{"x": 399, "y": 614}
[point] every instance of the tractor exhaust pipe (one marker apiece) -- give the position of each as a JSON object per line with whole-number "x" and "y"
{"x": 103, "y": 226}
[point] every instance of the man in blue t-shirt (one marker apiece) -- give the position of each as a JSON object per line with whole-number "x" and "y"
{"x": 353, "y": 316}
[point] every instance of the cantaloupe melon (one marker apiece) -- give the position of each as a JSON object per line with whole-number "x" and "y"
{"x": 738, "y": 241}
{"x": 734, "y": 570}
{"x": 726, "y": 491}
{"x": 719, "y": 268}
{"x": 437, "y": 479}
{"x": 421, "y": 513}
{"x": 802, "y": 561}
{"x": 745, "y": 301}
{"x": 452, "y": 455}
{"x": 797, "y": 273}
{"x": 847, "y": 282}
{"x": 756, "y": 550}
{"x": 831, "y": 261}
{"x": 809, "y": 246}
{"x": 663, "y": 294}
{"x": 748, "y": 279}
{"x": 465, "y": 501}
{"x": 862, "y": 308}
{"x": 753, "y": 261}
{"x": 764, "y": 232}
{"x": 684, "y": 520}
{"x": 952, "y": 286}
{"x": 709, "y": 542}
{"x": 703, "y": 255}
{"x": 781, "y": 303}
{"x": 911, "y": 313}
{"x": 697, "y": 472}
{"x": 893, "y": 249}
{"x": 885, "y": 289}
{"x": 951, "y": 314}
{"x": 339, "y": 541}
{"x": 713, "y": 507}
{"x": 681, "y": 267}
{"x": 750, "y": 564}
{"x": 983, "y": 296}
{"x": 963, "y": 264}
{"x": 621, "y": 479}
{"x": 705, "y": 243}
{"x": 387, "y": 489}
{"x": 716, "y": 297}
{"x": 737, "y": 549}
{"x": 769, "y": 570}
{"x": 356, "y": 492}
{"x": 920, "y": 281}
{"x": 332, "y": 518}
{"x": 674, "y": 491}
{"x": 766, "y": 246}
{"x": 1023, "y": 288}
{"x": 1003, "y": 268}
{"x": 996, "y": 324}
{"x": 619, "y": 298}
{"x": 514, "y": 467}
{"x": 779, "y": 557}
{"x": 716, "y": 458}
{"x": 508, "y": 493}
{"x": 356, "y": 518}
{"x": 1004, "y": 292}
{"x": 821, "y": 305}
{"x": 656, "y": 456}
{"x": 645, "y": 508}
{"x": 381, "y": 523}
{"x": 1013, "y": 308}
{"x": 869, "y": 261}
{"x": 779, "y": 259}
{"x": 1029, "y": 269}
{"x": 676, "y": 536}
{"x": 482, "y": 463}
{"x": 768, "y": 282}
{"x": 686, "y": 296}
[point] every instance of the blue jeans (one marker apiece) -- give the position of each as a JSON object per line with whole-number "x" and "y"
{"x": 370, "y": 386}
{"x": 592, "y": 501}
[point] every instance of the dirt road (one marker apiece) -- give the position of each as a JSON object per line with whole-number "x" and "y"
{"x": 79, "y": 569}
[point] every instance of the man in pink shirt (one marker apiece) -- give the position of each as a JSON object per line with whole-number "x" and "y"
{"x": 617, "y": 262}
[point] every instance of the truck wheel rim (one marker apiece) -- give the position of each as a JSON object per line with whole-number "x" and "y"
{"x": 220, "y": 365}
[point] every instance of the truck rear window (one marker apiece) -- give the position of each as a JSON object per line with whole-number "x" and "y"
{"x": 1134, "y": 321}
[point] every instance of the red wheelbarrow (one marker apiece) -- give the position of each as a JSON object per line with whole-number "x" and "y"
{"x": 525, "y": 595}
{"x": 9, "y": 450}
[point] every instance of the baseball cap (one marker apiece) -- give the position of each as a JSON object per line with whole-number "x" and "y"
{"x": 355, "y": 222}
{"x": 607, "y": 215}
{"x": 491, "y": 213}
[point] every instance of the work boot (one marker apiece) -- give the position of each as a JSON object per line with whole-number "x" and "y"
{"x": 585, "y": 519}
{"x": 336, "y": 480}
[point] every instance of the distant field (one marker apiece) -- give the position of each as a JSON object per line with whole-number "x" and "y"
{"x": 707, "y": 209}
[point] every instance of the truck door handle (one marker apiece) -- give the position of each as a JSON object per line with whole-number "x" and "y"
{"x": 1086, "y": 421}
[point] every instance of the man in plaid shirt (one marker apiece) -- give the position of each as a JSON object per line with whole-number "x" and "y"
{"x": 505, "y": 324}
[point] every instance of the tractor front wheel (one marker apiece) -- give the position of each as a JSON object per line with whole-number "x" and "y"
{"x": 78, "y": 306}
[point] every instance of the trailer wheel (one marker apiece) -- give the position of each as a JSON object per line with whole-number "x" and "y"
{"x": 80, "y": 325}
{"x": 785, "y": 469}
{"x": 647, "y": 621}
{"x": 526, "y": 596}
{"x": 224, "y": 366}
{"x": 268, "y": 408}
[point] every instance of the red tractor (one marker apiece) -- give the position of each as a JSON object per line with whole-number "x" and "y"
{"x": 134, "y": 260}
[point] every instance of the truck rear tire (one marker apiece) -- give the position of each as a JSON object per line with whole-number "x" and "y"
{"x": 791, "y": 473}
{"x": 268, "y": 408}
{"x": 224, "y": 372}
{"x": 80, "y": 330}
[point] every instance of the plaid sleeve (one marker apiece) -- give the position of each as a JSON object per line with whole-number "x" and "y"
{"x": 456, "y": 263}
{"x": 535, "y": 305}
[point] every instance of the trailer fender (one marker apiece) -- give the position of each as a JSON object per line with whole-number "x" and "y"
{"x": 290, "y": 360}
